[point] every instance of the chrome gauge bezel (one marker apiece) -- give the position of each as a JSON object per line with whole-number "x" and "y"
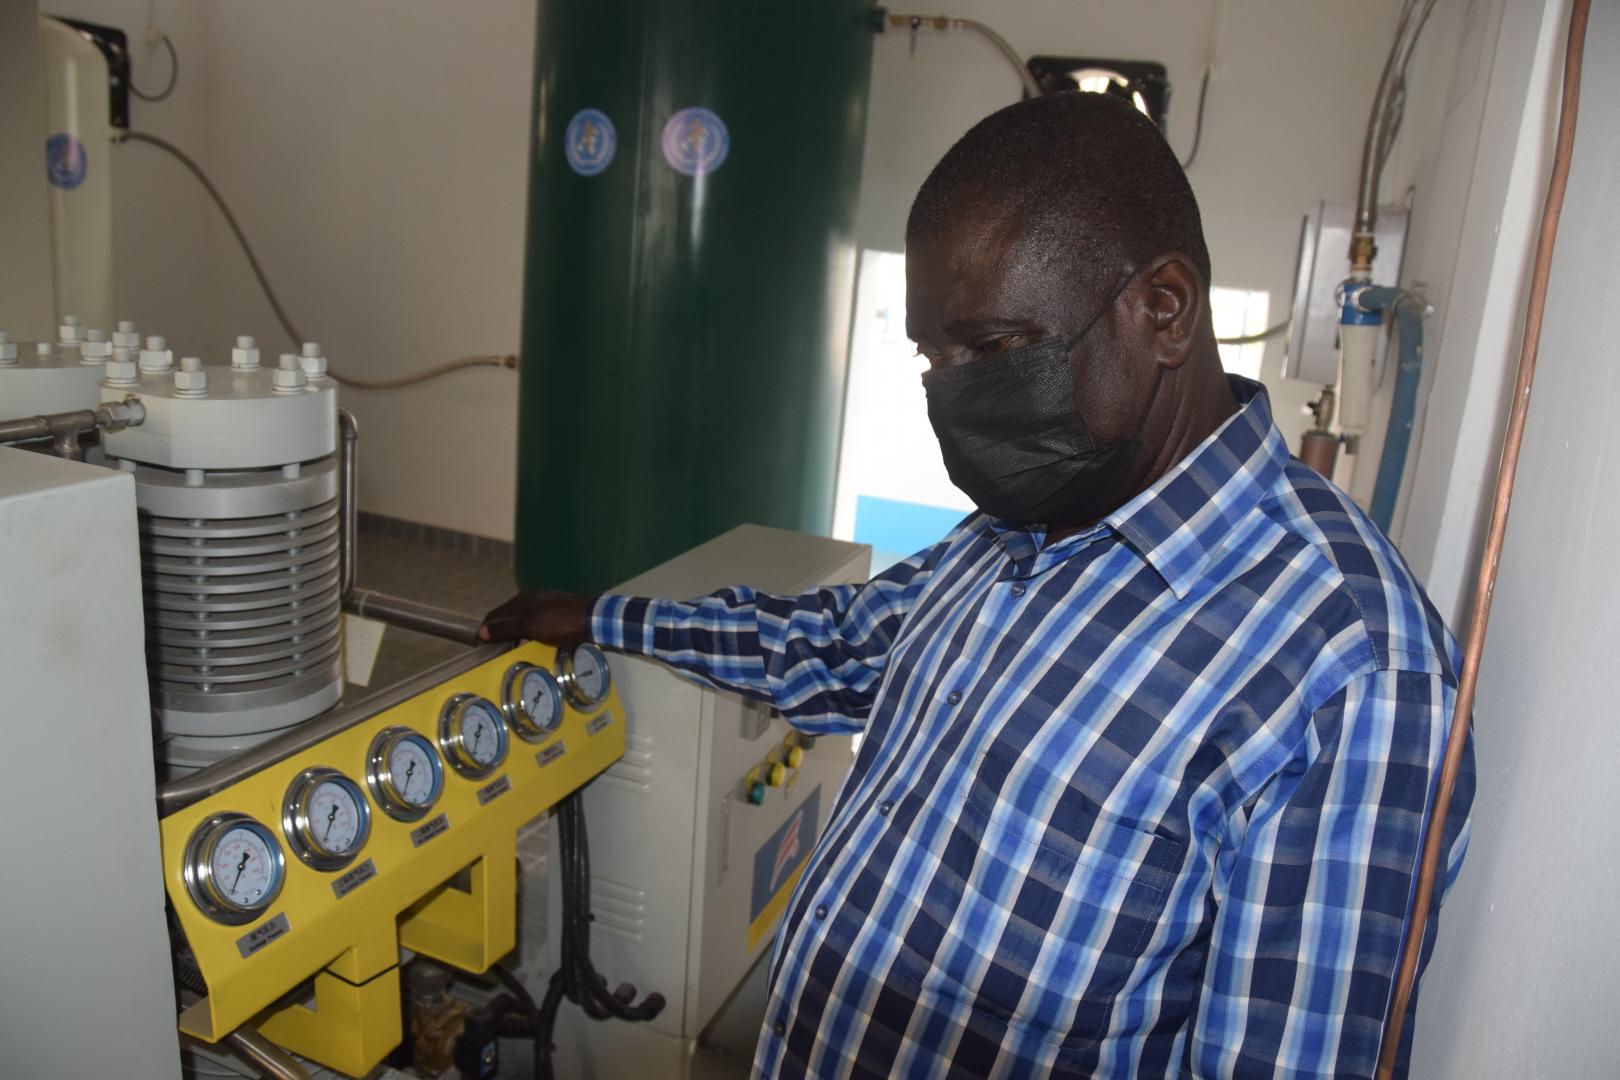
{"x": 379, "y": 777}
{"x": 529, "y": 728}
{"x": 300, "y": 834}
{"x": 452, "y": 740}
{"x": 197, "y": 869}
{"x": 570, "y": 685}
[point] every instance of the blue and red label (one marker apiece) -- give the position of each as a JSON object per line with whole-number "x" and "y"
{"x": 778, "y": 863}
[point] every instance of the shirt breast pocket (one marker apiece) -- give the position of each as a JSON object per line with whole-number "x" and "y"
{"x": 1068, "y": 896}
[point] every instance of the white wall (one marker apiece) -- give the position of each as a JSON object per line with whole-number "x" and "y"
{"x": 25, "y": 237}
{"x": 377, "y": 155}
{"x": 1526, "y": 975}
{"x": 1292, "y": 87}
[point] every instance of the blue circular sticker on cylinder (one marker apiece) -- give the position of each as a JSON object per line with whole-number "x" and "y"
{"x": 65, "y": 160}
{"x": 590, "y": 142}
{"x": 696, "y": 142}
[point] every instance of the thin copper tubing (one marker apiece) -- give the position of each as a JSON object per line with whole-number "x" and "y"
{"x": 1490, "y": 563}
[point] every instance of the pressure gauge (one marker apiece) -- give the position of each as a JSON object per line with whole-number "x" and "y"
{"x": 532, "y": 700}
{"x": 403, "y": 772}
{"x": 583, "y": 675}
{"x": 325, "y": 818}
{"x": 472, "y": 735}
{"x": 233, "y": 868}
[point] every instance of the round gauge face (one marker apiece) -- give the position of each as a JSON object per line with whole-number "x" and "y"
{"x": 410, "y": 765}
{"x": 590, "y": 675}
{"x": 481, "y": 733}
{"x": 540, "y": 699}
{"x": 244, "y": 866}
{"x": 334, "y": 817}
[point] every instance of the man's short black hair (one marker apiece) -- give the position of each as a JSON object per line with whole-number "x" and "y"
{"x": 1077, "y": 170}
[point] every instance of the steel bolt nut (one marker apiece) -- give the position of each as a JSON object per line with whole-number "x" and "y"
{"x": 126, "y": 335}
{"x": 121, "y": 369}
{"x": 191, "y": 380}
{"x": 245, "y": 356}
{"x": 70, "y": 331}
{"x": 96, "y": 348}
{"x": 157, "y": 356}
{"x": 312, "y": 362}
{"x": 288, "y": 378}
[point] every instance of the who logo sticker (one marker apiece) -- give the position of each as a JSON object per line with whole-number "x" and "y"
{"x": 66, "y": 162}
{"x": 590, "y": 142}
{"x": 696, "y": 142}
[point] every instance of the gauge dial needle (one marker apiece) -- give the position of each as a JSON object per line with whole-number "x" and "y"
{"x": 478, "y": 736}
{"x": 408, "y": 770}
{"x": 329, "y": 819}
{"x": 241, "y": 866}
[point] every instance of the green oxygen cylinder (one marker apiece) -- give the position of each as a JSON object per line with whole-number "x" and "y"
{"x": 688, "y": 276}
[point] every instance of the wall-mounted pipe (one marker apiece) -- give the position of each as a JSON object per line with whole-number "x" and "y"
{"x": 1491, "y": 560}
{"x": 1409, "y": 309}
{"x": 885, "y": 20}
{"x": 1381, "y": 126}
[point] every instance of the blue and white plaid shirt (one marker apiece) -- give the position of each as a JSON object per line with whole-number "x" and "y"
{"x": 1145, "y": 802}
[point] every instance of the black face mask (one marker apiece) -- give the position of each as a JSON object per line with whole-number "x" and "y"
{"x": 1014, "y": 442}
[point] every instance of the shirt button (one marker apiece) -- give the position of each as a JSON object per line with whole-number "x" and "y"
{"x": 821, "y": 911}
{"x": 780, "y": 1027}
{"x": 884, "y": 807}
{"x": 953, "y": 697}
{"x": 1018, "y": 588}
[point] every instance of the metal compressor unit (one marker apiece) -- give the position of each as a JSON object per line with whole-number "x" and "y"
{"x": 238, "y": 489}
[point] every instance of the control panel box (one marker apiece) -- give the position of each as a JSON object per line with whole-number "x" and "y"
{"x": 699, "y": 835}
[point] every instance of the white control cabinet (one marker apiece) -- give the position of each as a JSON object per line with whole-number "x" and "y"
{"x": 689, "y": 877}
{"x": 85, "y": 983}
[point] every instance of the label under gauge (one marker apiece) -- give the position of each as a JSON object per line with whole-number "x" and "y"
{"x": 598, "y": 723}
{"x": 350, "y": 880}
{"x": 429, "y": 829}
{"x": 551, "y": 753}
{"x": 262, "y": 935}
{"x": 498, "y": 786}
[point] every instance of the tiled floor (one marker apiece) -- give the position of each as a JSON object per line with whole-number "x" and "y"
{"x": 433, "y": 574}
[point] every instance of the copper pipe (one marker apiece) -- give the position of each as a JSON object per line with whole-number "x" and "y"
{"x": 1491, "y": 562}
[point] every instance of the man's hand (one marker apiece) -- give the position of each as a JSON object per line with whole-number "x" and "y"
{"x": 555, "y": 618}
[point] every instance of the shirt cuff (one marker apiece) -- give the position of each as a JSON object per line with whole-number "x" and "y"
{"x": 624, "y": 623}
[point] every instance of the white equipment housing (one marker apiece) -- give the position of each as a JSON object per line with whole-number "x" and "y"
{"x": 238, "y": 488}
{"x": 675, "y": 845}
{"x": 84, "y": 959}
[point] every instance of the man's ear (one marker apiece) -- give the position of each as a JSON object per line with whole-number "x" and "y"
{"x": 1169, "y": 305}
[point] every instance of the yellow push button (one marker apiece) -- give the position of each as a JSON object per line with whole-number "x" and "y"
{"x": 794, "y": 757}
{"x": 776, "y": 776}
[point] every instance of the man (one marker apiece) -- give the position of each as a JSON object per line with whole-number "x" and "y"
{"x": 1149, "y": 740}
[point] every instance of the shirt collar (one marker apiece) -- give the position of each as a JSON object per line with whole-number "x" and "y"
{"x": 1179, "y": 523}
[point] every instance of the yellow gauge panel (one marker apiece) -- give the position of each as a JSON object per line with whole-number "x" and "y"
{"x": 443, "y": 885}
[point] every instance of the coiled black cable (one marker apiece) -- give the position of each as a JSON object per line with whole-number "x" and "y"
{"x": 577, "y": 979}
